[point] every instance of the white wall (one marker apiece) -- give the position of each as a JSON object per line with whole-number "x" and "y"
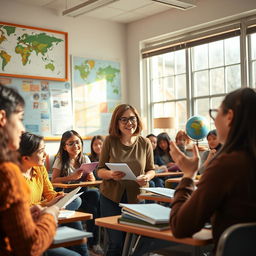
{"x": 206, "y": 13}
{"x": 88, "y": 37}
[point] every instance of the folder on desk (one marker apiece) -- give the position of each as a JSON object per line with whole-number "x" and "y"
{"x": 167, "y": 192}
{"x": 151, "y": 213}
{"x": 67, "y": 234}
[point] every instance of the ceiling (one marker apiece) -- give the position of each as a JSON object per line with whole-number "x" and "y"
{"x": 123, "y": 11}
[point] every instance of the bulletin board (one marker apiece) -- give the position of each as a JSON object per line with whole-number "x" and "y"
{"x": 48, "y": 109}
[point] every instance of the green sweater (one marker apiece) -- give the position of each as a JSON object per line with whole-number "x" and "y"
{"x": 138, "y": 156}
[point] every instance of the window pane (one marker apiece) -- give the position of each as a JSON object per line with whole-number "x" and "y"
{"x": 232, "y": 50}
{"x": 217, "y": 81}
{"x": 216, "y": 102}
{"x": 157, "y": 89}
{"x": 158, "y": 110}
{"x": 180, "y": 62}
{"x": 201, "y": 83}
{"x": 253, "y": 46}
{"x": 157, "y": 69}
{"x": 254, "y": 74}
{"x": 181, "y": 87}
{"x": 169, "y": 93}
{"x": 168, "y": 64}
{"x": 200, "y": 57}
{"x": 202, "y": 107}
{"x": 216, "y": 56}
{"x": 181, "y": 115}
{"x": 233, "y": 77}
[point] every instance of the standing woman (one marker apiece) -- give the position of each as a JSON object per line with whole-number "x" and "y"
{"x": 20, "y": 234}
{"x": 226, "y": 191}
{"x": 124, "y": 144}
{"x": 69, "y": 159}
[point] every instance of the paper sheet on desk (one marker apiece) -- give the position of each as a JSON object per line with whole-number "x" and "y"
{"x": 122, "y": 167}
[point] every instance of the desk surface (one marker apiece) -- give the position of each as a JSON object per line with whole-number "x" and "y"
{"x": 75, "y": 185}
{"x": 171, "y": 174}
{"x": 177, "y": 180}
{"x": 77, "y": 216}
{"x": 204, "y": 237}
{"x": 154, "y": 197}
{"x": 70, "y": 243}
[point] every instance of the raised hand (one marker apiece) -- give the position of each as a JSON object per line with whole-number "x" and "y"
{"x": 189, "y": 165}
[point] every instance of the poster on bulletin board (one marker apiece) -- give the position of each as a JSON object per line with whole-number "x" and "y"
{"x": 96, "y": 93}
{"x": 48, "y": 109}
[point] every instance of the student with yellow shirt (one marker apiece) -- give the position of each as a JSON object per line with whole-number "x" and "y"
{"x": 32, "y": 157}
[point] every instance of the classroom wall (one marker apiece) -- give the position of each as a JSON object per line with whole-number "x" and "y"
{"x": 207, "y": 12}
{"x": 88, "y": 37}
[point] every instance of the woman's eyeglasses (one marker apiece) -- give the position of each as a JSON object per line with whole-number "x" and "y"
{"x": 72, "y": 143}
{"x": 125, "y": 120}
{"x": 213, "y": 113}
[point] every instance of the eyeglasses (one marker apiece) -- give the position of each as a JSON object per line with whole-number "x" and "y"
{"x": 72, "y": 143}
{"x": 125, "y": 120}
{"x": 213, "y": 113}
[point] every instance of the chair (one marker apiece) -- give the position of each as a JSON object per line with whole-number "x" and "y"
{"x": 237, "y": 240}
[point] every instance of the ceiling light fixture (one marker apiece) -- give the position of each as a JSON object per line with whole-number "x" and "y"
{"x": 179, "y": 4}
{"x": 85, "y": 7}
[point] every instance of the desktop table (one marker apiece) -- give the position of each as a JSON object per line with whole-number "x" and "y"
{"x": 177, "y": 180}
{"x": 168, "y": 174}
{"x": 155, "y": 197}
{"x": 77, "y": 216}
{"x": 202, "y": 238}
{"x": 75, "y": 185}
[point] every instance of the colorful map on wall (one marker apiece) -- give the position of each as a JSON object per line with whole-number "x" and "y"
{"x": 96, "y": 93}
{"x": 32, "y": 52}
{"x": 48, "y": 109}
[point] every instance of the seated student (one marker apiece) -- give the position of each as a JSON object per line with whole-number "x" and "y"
{"x": 96, "y": 147}
{"x": 226, "y": 191}
{"x": 182, "y": 141}
{"x": 163, "y": 149}
{"x": 69, "y": 159}
{"x": 214, "y": 147}
{"x": 32, "y": 157}
{"x": 159, "y": 164}
{"x": 20, "y": 233}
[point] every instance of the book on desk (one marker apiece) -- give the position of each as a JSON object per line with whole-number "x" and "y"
{"x": 67, "y": 234}
{"x": 153, "y": 214}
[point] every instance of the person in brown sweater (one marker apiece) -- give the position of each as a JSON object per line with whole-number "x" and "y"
{"x": 123, "y": 145}
{"x": 24, "y": 231}
{"x": 226, "y": 192}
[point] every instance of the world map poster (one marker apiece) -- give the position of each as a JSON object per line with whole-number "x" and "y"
{"x": 33, "y": 52}
{"x": 96, "y": 93}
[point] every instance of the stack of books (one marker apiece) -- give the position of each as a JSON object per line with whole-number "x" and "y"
{"x": 150, "y": 216}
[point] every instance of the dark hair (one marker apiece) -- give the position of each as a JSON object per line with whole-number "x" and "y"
{"x": 214, "y": 133}
{"x": 242, "y": 134}
{"x": 151, "y": 135}
{"x": 162, "y": 136}
{"x": 29, "y": 143}
{"x": 94, "y": 156}
{"x": 118, "y": 112}
{"x": 63, "y": 154}
{"x": 11, "y": 102}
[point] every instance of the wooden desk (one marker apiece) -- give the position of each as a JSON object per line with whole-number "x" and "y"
{"x": 77, "y": 216}
{"x": 70, "y": 243}
{"x": 202, "y": 238}
{"x": 171, "y": 174}
{"x": 177, "y": 180}
{"x": 154, "y": 197}
{"x": 75, "y": 185}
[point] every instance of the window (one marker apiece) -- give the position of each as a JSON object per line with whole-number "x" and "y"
{"x": 191, "y": 78}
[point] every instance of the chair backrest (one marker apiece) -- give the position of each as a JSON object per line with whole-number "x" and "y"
{"x": 237, "y": 240}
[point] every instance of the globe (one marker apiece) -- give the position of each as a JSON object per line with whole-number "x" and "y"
{"x": 196, "y": 128}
